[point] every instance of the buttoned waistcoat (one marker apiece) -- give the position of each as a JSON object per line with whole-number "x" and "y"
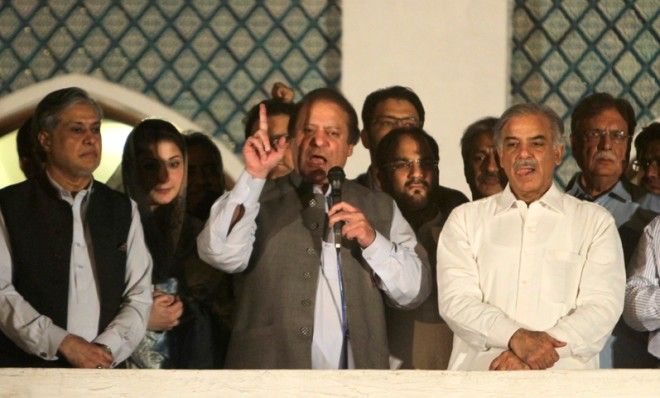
{"x": 274, "y": 317}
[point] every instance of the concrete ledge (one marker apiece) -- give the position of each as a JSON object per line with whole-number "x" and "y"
{"x": 356, "y": 383}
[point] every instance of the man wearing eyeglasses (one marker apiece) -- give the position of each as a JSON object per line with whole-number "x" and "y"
{"x": 384, "y": 110}
{"x": 647, "y": 165}
{"x": 601, "y": 130}
{"x": 407, "y": 160}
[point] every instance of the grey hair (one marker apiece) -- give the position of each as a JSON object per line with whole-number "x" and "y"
{"x": 556, "y": 124}
{"x": 47, "y": 114}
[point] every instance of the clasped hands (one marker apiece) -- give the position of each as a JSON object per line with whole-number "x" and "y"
{"x": 528, "y": 350}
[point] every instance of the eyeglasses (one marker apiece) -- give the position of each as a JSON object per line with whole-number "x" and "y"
{"x": 595, "y": 135}
{"x": 645, "y": 163}
{"x": 392, "y": 122}
{"x": 406, "y": 165}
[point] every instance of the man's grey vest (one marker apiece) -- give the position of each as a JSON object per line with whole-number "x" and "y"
{"x": 40, "y": 229}
{"x": 274, "y": 318}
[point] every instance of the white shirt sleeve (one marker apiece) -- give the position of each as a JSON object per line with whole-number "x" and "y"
{"x": 230, "y": 252}
{"x": 600, "y": 297}
{"x": 460, "y": 299}
{"x": 642, "y": 307}
{"x": 126, "y": 330}
{"x": 19, "y": 321}
{"x": 396, "y": 263}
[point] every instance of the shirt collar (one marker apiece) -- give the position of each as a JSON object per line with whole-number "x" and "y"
{"x": 618, "y": 191}
{"x": 551, "y": 198}
{"x": 66, "y": 195}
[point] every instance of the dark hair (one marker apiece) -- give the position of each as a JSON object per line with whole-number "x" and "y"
{"x": 330, "y": 95}
{"x": 388, "y": 145}
{"x": 472, "y": 132}
{"x": 649, "y": 134}
{"x": 530, "y": 109}
{"x": 195, "y": 138}
{"x": 147, "y": 132}
{"x": 151, "y": 131}
{"x": 594, "y": 104}
{"x": 47, "y": 114}
{"x": 396, "y": 92}
{"x": 274, "y": 107}
{"x": 29, "y": 157}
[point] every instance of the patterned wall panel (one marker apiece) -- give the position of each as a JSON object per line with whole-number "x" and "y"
{"x": 209, "y": 60}
{"x": 565, "y": 50}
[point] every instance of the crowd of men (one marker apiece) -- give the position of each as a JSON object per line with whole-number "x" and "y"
{"x": 391, "y": 270}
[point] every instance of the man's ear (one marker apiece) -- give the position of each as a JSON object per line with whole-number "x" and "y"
{"x": 44, "y": 140}
{"x": 559, "y": 154}
{"x": 364, "y": 137}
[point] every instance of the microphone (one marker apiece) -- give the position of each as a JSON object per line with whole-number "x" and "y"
{"x": 336, "y": 178}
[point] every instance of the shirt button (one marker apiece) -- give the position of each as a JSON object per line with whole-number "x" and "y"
{"x": 311, "y": 251}
{"x": 306, "y": 302}
{"x": 307, "y": 275}
{"x": 314, "y": 226}
{"x": 305, "y": 331}
{"x": 312, "y": 203}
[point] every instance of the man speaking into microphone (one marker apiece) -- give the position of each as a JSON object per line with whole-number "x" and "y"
{"x": 302, "y": 302}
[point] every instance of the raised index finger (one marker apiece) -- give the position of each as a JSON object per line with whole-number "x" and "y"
{"x": 263, "y": 127}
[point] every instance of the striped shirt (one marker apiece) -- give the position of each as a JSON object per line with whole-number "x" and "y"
{"x": 642, "y": 306}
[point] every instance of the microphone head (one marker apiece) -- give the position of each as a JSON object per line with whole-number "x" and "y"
{"x": 336, "y": 174}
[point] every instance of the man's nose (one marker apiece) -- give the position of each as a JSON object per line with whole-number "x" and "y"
{"x": 491, "y": 163}
{"x": 319, "y": 138}
{"x": 605, "y": 141}
{"x": 91, "y": 137}
{"x": 415, "y": 169}
{"x": 653, "y": 170}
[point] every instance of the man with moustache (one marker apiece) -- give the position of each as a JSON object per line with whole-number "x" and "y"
{"x": 407, "y": 160}
{"x": 480, "y": 162}
{"x": 529, "y": 278}
{"x": 601, "y": 139}
{"x": 75, "y": 275}
{"x": 384, "y": 110}
{"x": 305, "y": 300}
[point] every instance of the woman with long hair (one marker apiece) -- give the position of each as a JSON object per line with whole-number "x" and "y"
{"x": 181, "y": 332}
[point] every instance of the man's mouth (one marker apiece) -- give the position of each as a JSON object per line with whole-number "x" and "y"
{"x": 524, "y": 167}
{"x": 90, "y": 154}
{"x": 489, "y": 179}
{"x": 417, "y": 185}
{"x": 317, "y": 160}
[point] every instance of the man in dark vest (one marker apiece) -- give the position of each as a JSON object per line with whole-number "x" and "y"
{"x": 74, "y": 271}
{"x": 304, "y": 298}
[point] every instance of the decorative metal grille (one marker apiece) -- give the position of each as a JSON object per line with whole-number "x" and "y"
{"x": 209, "y": 60}
{"x": 565, "y": 50}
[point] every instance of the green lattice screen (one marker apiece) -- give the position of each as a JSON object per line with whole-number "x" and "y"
{"x": 209, "y": 60}
{"x": 564, "y": 50}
